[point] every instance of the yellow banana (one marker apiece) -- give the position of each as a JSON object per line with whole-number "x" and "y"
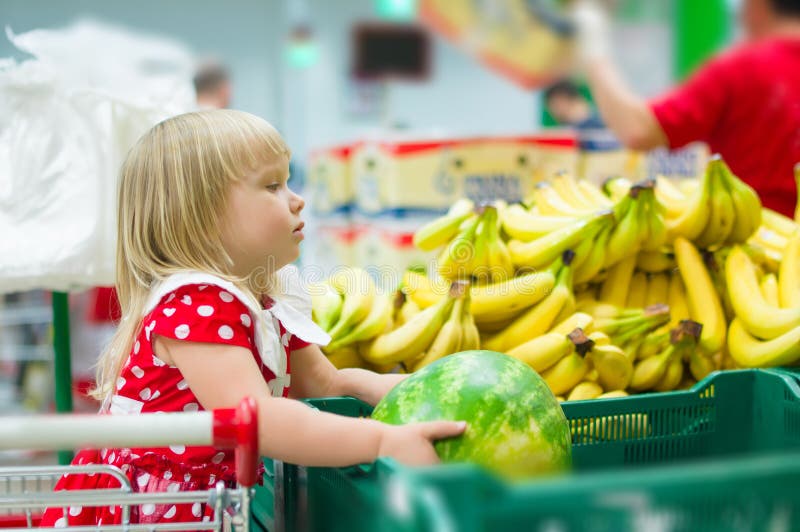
{"x": 694, "y": 218}
{"x": 584, "y": 391}
{"x": 535, "y": 321}
{"x": 789, "y": 274}
{"x": 544, "y": 351}
{"x": 599, "y": 338}
{"x": 442, "y": 230}
{"x": 501, "y": 267}
{"x": 408, "y": 310}
{"x": 326, "y": 305}
{"x": 616, "y": 286}
{"x": 670, "y": 196}
{"x": 770, "y": 290}
{"x": 657, "y": 289}
{"x": 457, "y": 258}
{"x": 700, "y": 365}
{"x": 490, "y": 303}
{"x": 594, "y": 195}
{"x": 756, "y": 315}
{"x": 411, "y": 339}
{"x": 578, "y": 320}
{"x": 672, "y": 376}
{"x": 778, "y": 223}
{"x": 720, "y": 206}
{"x": 616, "y": 188}
{"x": 614, "y": 368}
{"x": 478, "y": 266}
{"x": 471, "y": 338}
{"x": 522, "y": 225}
{"x": 356, "y": 287}
{"x": 625, "y": 239}
{"x": 746, "y": 204}
{"x": 648, "y": 372}
{"x": 376, "y": 322}
{"x": 550, "y": 203}
{"x": 637, "y": 291}
{"x": 447, "y": 341}
{"x": 565, "y": 374}
{"x": 704, "y": 303}
{"x": 750, "y": 352}
{"x": 614, "y": 394}
{"x": 676, "y": 299}
{"x": 591, "y": 266}
{"x": 655, "y": 261}
{"x": 346, "y": 357}
{"x": 544, "y": 250}
{"x": 566, "y": 187}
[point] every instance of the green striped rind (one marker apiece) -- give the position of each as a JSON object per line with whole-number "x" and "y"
{"x": 516, "y": 426}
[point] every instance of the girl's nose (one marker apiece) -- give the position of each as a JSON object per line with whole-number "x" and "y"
{"x": 298, "y": 203}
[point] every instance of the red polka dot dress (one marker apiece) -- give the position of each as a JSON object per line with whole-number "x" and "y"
{"x": 197, "y": 313}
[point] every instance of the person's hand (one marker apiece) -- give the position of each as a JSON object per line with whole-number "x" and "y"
{"x": 593, "y": 30}
{"x": 413, "y": 444}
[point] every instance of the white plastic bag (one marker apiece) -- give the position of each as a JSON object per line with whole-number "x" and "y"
{"x": 67, "y": 120}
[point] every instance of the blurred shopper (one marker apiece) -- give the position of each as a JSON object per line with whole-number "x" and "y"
{"x": 569, "y": 107}
{"x": 745, "y": 102}
{"x": 212, "y": 83}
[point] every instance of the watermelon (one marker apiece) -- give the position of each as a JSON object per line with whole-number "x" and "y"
{"x": 516, "y": 427}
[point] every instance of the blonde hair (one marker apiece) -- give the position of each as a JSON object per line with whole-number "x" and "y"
{"x": 172, "y": 196}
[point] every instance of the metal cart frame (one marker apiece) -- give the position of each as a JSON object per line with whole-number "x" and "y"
{"x": 29, "y": 489}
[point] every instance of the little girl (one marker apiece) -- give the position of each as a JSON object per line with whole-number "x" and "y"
{"x": 211, "y": 313}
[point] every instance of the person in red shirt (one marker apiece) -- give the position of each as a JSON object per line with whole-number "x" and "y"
{"x": 744, "y": 103}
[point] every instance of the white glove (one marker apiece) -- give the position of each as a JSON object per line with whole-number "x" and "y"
{"x": 593, "y": 30}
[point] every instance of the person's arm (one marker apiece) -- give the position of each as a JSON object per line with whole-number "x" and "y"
{"x": 627, "y": 115}
{"x": 314, "y": 376}
{"x": 221, "y": 375}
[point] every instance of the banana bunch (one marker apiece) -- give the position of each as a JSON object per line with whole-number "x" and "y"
{"x": 639, "y": 225}
{"x": 721, "y": 209}
{"x": 664, "y": 371}
{"x": 459, "y": 333}
{"x": 422, "y": 334}
{"x": 564, "y": 196}
{"x": 348, "y": 307}
{"x": 763, "y": 333}
{"x": 543, "y": 250}
{"x": 539, "y": 318}
{"x": 493, "y": 306}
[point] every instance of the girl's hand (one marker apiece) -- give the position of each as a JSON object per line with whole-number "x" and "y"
{"x": 413, "y": 444}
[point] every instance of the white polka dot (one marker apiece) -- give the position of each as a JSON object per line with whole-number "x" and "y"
{"x": 143, "y": 479}
{"x": 155, "y": 395}
{"x": 187, "y": 477}
{"x": 100, "y": 521}
{"x": 245, "y": 320}
{"x": 171, "y": 512}
{"x": 190, "y": 407}
{"x": 112, "y": 510}
{"x": 170, "y": 298}
{"x": 136, "y": 347}
{"x": 173, "y": 487}
{"x": 182, "y": 331}
{"x": 158, "y": 362}
{"x": 60, "y": 522}
{"x": 212, "y": 479}
{"x": 167, "y": 474}
{"x": 285, "y": 339}
{"x": 225, "y": 296}
{"x": 182, "y": 385}
{"x": 225, "y": 332}
{"x": 75, "y": 510}
{"x": 137, "y": 371}
{"x": 120, "y": 383}
{"x": 145, "y": 394}
{"x": 148, "y": 509}
{"x": 111, "y": 458}
{"x": 169, "y": 311}
{"x": 103, "y": 453}
{"x": 186, "y": 300}
{"x": 196, "y": 509}
{"x": 218, "y": 457}
{"x": 205, "y": 310}
{"x": 177, "y": 449}
{"x": 202, "y": 287}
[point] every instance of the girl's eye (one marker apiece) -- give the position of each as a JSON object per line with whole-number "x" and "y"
{"x": 274, "y": 187}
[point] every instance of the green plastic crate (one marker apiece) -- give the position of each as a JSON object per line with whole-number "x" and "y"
{"x": 724, "y": 455}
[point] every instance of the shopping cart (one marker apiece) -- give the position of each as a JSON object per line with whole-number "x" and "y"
{"x": 26, "y": 491}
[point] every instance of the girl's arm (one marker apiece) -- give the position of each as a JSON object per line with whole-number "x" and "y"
{"x": 221, "y": 375}
{"x": 314, "y": 376}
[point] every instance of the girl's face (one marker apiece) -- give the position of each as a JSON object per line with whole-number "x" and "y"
{"x": 262, "y": 225}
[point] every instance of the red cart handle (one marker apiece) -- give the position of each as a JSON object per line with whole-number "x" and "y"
{"x": 238, "y": 428}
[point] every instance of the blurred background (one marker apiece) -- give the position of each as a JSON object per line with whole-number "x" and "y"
{"x": 392, "y": 108}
